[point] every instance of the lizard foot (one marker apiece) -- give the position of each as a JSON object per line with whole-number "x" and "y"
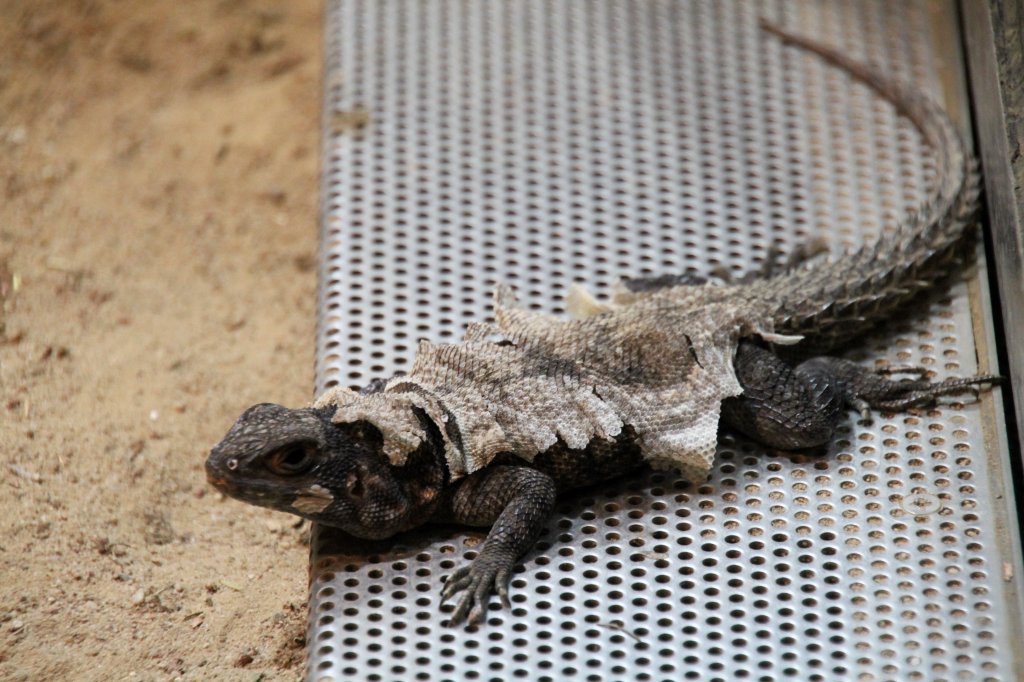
{"x": 896, "y": 396}
{"x": 516, "y": 501}
{"x": 488, "y": 572}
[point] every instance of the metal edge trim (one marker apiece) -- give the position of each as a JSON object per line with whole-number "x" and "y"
{"x": 1006, "y": 251}
{"x": 327, "y": 12}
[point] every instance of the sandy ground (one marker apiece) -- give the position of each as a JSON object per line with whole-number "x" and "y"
{"x": 157, "y": 252}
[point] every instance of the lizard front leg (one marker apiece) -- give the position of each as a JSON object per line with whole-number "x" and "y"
{"x": 515, "y": 501}
{"x": 797, "y": 408}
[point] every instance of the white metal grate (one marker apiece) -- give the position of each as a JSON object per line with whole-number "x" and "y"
{"x": 545, "y": 142}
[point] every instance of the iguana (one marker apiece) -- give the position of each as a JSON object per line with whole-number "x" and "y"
{"x": 488, "y": 431}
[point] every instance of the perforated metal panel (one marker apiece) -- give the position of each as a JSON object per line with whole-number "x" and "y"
{"x": 541, "y": 143}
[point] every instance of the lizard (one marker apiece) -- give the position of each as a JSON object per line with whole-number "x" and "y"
{"x": 487, "y": 432}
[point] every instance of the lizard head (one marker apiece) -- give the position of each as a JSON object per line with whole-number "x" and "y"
{"x": 297, "y": 461}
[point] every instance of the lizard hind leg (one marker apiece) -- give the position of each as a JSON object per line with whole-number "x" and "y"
{"x": 775, "y": 263}
{"x": 778, "y": 263}
{"x": 783, "y": 407}
{"x": 799, "y": 408}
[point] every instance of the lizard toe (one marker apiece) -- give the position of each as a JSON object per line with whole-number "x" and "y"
{"x": 476, "y": 592}
{"x": 477, "y": 582}
{"x": 889, "y": 370}
{"x": 907, "y": 394}
{"x": 501, "y": 583}
{"x": 457, "y": 581}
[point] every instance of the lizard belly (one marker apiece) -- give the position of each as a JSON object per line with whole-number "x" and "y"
{"x": 601, "y": 460}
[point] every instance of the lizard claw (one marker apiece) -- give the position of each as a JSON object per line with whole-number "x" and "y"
{"x": 888, "y": 370}
{"x": 477, "y": 581}
{"x": 862, "y": 406}
{"x": 458, "y": 580}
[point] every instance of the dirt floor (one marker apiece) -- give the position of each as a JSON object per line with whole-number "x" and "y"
{"x": 158, "y": 190}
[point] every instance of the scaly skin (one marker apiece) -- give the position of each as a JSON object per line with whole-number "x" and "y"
{"x": 301, "y": 462}
{"x": 847, "y": 298}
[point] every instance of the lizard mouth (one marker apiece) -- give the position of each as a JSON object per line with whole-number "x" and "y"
{"x": 221, "y": 480}
{"x": 216, "y": 478}
{"x": 261, "y": 493}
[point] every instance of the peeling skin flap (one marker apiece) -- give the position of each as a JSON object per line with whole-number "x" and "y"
{"x": 662, "y": 365}
{"x": 391, "y": 414}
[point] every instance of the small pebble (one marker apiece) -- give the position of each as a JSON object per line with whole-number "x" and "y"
{"x": 17, "y": 135}
{"x": 138, "y": 597}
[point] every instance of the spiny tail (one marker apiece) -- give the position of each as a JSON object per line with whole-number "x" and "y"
{"x": 830, "y": 302}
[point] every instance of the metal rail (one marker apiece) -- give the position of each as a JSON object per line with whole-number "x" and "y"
{"x": 544, "y": 142}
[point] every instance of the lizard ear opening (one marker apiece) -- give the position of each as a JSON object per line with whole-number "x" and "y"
{"x": 293, "y": 459}
{"x": 354, "y": 487}
{"x": 363, "y": 432}
{"x": 388, "y": 417}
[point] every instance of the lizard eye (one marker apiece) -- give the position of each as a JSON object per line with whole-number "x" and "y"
{"x": 293, "y": 459}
